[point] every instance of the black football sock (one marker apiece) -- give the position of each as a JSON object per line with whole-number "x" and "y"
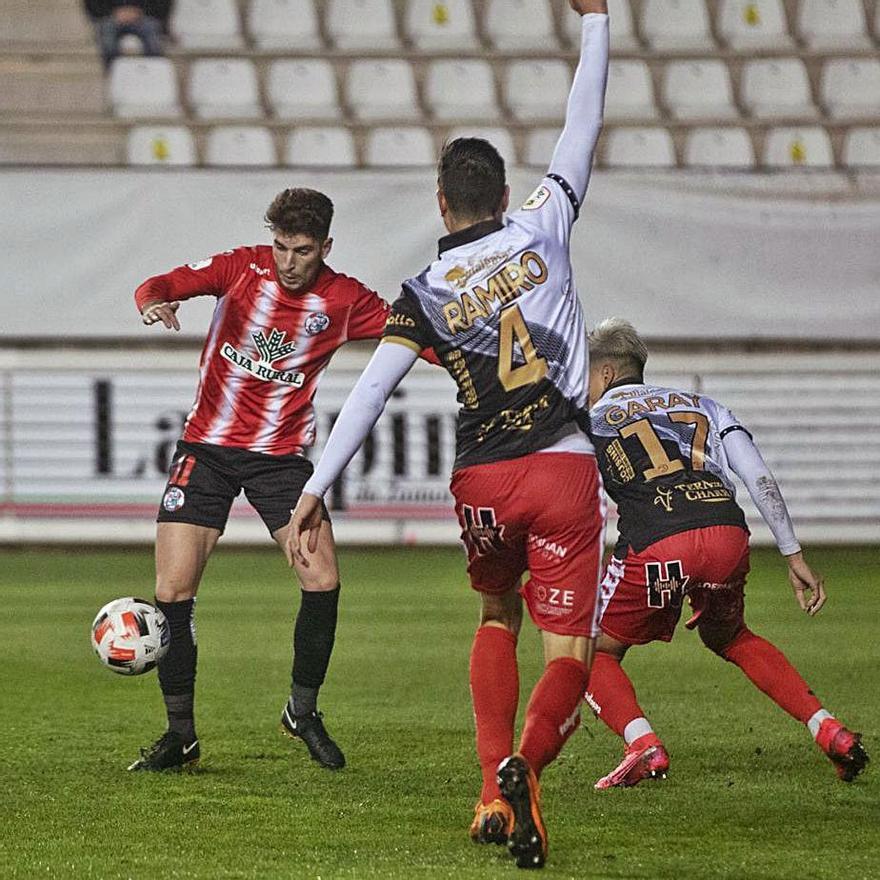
{"x": 313, "y": 638}
{"x": 177, "y": 669}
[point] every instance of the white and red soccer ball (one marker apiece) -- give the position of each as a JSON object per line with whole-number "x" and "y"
{"x": 130, "y": 636}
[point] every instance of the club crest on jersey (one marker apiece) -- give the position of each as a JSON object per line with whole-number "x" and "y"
{"x": 270, "y": 350}
{"x": 174, "y": 499}
{"x": 536, "y": 199}
{"x": 316, "y": 323}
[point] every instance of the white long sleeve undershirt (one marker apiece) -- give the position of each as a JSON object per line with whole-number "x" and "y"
{"x": 390, "y": 363}
{"x": 748, "y": 464}
{"x": 573, "y": 157}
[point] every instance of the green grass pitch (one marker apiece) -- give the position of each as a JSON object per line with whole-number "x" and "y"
{"x": 749, "y": 795}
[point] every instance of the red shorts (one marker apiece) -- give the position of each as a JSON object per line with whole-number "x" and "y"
{"x": 642, "y": 595}
{"x": 544, "y": 513}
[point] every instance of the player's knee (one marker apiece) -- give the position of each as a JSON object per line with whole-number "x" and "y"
{"x": 503, "y": 611}
{"x": 320, "y": 580}
{"x": 171, "y": 591}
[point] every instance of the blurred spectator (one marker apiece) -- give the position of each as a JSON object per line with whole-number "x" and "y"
{"x": 114, "y": 19}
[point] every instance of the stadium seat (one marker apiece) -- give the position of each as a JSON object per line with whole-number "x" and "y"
{"x": 798, "y": 147}
{"x": 540, "y": 144}
{"x": 630, "y": 93}
{"x": 437, "y": 26}
{"x": 861, "y": 149}
{"x": 640, "y": 147}
{"x": 328, "y": 147}
{"x": 500, "y": 138}
{"x": 754, "y": 24}
{"x": 698, "y": 89}
{"x": 623, "y": 37}
{"x": 240, "y": 145}
{"x": 719, "y": 148}
{"x": 291, "y": 25}
{"x": 152, "y": 145}
{"x": 851, "y": 87}
{"x": 462, "y": 89}
{"x": 518, "y": 25}
{"x": 206, "y": 24}
{"x": 144, "y": 87}
{"x": 777, "y": 87}
{"x": 382, "y": 89}
{"x": 400, "y": 147}
{"x": 677, "y": 24}
{"x": 224, "y": 88}
{"x": 832, "y": 24}
{"x": 361, "y": 24}
{"x": 302, "y": 89}
{"x": 537, "y": 90}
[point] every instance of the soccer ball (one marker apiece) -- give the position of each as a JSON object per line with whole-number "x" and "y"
{"x": 130, "y": 636}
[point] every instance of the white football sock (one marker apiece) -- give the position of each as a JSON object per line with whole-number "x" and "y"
{"x": 636, "y": 728}
{"x": 816, "y": 721}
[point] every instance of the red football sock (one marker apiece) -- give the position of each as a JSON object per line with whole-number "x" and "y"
{"x": 611, "y": 694}
{"x": 770, "y": 671}
{"x": 553, "y": 713}
{"x": 495, "y": 695}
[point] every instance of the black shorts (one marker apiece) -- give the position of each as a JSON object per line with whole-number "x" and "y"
{"x": 205, "y": 479}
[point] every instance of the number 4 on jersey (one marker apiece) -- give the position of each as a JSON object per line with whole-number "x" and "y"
{"x": 512, "y": 328}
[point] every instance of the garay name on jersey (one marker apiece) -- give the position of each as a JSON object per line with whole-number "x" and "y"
{"x": 504, "y": 285}
{"x": 615, "y": 415}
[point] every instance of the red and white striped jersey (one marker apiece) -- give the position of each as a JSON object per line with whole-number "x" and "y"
{"x": 266, "y": 348}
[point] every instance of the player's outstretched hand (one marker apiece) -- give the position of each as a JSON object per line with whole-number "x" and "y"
{"x": 809, "y": 587}
{"x": 306, "y": 517}
{"x": 582, "y": 7}
{"x": 162, "y": 311}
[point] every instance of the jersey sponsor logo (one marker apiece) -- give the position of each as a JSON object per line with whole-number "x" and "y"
{"x": 537, "y": 198}
{"x": 710, "y": 491}
{"x": 260, "y": 270}
{"x": 501, "y": 287}
{"x": 619, "y": 461}
{"x": 316, "y": 323}
{"x": 174, "y": 499}
{"x": 547, "y": 547}
{"x": 274, "y": 348}
{"x": 396, "y": 320}
{"x": 270, "y": 350}
{"x": 615, "y": 415}
{"x": 663, "y": 499}
{"x": 200, "y": 264}
{"x": 554, "y": 601}
{"x": 515, "y": 419}
{"x": 458, "y": 276}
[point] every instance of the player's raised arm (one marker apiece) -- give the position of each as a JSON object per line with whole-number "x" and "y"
{"x": 573, "y": 157}
{"x": 748, "y": 464}
{"x": 391, "y": 361}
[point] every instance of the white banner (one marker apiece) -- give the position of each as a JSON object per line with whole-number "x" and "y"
{"x": 682, "y": 256}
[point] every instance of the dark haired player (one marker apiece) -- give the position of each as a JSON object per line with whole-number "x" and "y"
{"x": 281, "y": 314}
{"x": 500, "y": 308}
{"x": 666, "y": 457}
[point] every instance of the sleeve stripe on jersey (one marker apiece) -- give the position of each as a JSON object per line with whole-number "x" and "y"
{"x": 401, "y": 340}
{"x": 726, "y": 431}
{"x": 575, "y": 202}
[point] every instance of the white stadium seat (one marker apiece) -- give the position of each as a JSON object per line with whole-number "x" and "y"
{"x": 240, "y": 145}
{"x": 400, "y": 147}
{"x": 156, "y": 145}
{"x": 719, "y": 148}
{"x": 302, "y": 89}
{"x": 798, "y": 147}
{"x": 777, "y": 87}
{"x": 698, "y": 89}
{"x": 537, "y": 91}
{"x": 361, "y": 24}
{"x": 832, "y": 24}
{"x": 540, "y": 144}
{"x": 861, "y": 149}
{"x": 677, "y": 24}
{"x": 382, "y": 89}
{"x": 434, "y": 26}
{"x": 461, "y": 89}
{"x": 328, "y": 147}
{"x": 640, "y": 148}
{"x": 630, "y": 93}
{"x": 144, "y": 87}
{"x": 623, "y": 37}
{"x": 754, "y": 24}
{"x": 206, "y": 24}
{"x": 851, "y": 87}
{"x": 224, "y": 88}
{"x": 518, "y": 25}
{"x": 284, "y": 24}
{"x": 500, "y": 138}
